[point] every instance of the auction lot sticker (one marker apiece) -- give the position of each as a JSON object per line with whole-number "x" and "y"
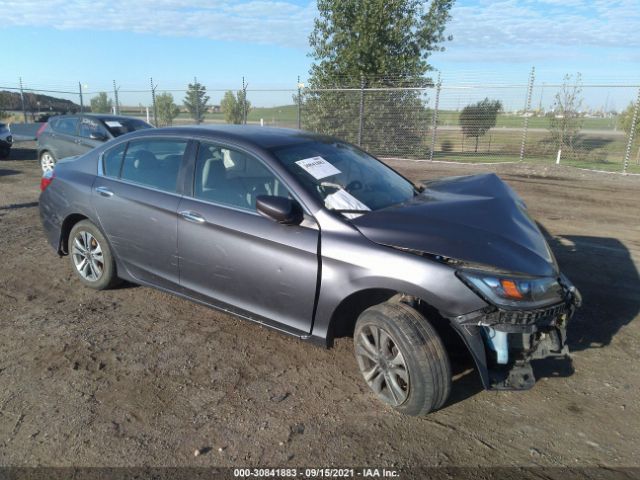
{"x": 318, "y": 167}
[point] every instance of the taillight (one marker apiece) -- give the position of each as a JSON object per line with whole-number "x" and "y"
{"x": 41, "y": 129}
{"x": 47, "y": 178}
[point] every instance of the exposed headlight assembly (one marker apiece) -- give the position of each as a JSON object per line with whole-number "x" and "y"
{"x": 513, "y": 291}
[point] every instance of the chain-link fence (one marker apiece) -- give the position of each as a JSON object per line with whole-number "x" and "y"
{"x": 456, "y": 118}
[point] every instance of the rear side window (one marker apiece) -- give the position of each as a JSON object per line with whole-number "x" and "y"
{"x": 112, "y": 160}
{"x": 66, "y": 125}
{"x": 154, "y": 163}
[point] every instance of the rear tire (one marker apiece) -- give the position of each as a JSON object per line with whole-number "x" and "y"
{"x": 402, "y": 358}
{"x": 91, "y": 256}
{"x": 47, "y": 161}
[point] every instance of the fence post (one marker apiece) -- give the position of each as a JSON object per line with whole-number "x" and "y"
{"x": 634, "y": 122}
{"x": 115, "y": 96}
{"x": 434, "y": 125}
{"x": 24, "y": 109}
{"x": 527, "y": 109}
{"x": 81, "y": 100}
{"x": 153, "y": 99}
{"x": 244, "y": 102}
{"x": 299, "y": 102}
{"x": 361, "y": 120}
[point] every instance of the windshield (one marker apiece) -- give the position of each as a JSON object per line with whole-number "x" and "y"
{"x": 120, "y": 126}
{"x": 344, "y": 178}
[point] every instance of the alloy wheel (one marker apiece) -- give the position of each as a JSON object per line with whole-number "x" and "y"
{"x": 87, "y": 256}
{"x": 382, "y": 365}
{"x": 47, "y": 162}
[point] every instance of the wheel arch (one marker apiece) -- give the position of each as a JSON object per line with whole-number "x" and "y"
{"x": 68, "y": 224}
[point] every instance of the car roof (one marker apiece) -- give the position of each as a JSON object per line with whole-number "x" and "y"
{"x": 263, "y": 137}
{"x": 99, "y": 116}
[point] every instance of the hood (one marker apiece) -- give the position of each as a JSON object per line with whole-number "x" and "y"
{"x": 476, "y": 219}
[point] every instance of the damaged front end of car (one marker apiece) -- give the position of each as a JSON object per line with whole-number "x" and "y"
{"x": 526, "y": 319}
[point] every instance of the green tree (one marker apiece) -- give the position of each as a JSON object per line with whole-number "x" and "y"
{"x": 167, "y": 109}
{"x": 196, "y": 100}
{"x": 477, "y": 119}
{"x": 101, "y": 103}
{"x": 566, "y": 121}
{"x": 235, "y": 107}
{"x": 625, "y": 120}
{"x": 373, "y": 44}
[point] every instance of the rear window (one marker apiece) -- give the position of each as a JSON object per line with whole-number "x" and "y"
{"x": 120, "y": 126}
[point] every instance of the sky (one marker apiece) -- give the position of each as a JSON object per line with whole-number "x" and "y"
{"x": 56, "y": 44}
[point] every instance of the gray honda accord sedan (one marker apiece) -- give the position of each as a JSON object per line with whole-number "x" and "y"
{"x": 314, "y": 237}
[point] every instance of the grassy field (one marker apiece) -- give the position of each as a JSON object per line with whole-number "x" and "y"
{"x": 600, "y": 146}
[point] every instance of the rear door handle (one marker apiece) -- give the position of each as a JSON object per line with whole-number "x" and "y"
{"x": 104, "y": 191}
{"x": 191, "y": 216}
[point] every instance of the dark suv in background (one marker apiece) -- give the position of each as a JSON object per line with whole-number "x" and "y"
{"x": 70, "y": 135}
{"x": 6, "y": 140}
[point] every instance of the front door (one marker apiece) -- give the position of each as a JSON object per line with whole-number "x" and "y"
{"x": 136, "y": 198}
{"x": 235, "y": 258}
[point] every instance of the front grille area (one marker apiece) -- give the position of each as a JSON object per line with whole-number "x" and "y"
{"x": 541, "y": 316}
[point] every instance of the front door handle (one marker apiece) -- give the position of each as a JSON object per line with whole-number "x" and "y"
{"x": 104, "y": 191}
{"x": 191, "y": 216}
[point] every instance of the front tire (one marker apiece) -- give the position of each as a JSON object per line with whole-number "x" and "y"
{"x": 47, "y": 161}
{"x": 91, "y": 256}
{"x": 5, "y": 152}
{"x": 402, "y": 358}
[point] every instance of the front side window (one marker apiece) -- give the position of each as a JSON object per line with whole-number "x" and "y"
{"x": 120, "y": 126}
{"x": 89, "y": 126}
{"x": 231, "y": 177}
{"x": 345, "y": 178}
{"x": 66, "y": 125}
{"x": 153, "y": 163}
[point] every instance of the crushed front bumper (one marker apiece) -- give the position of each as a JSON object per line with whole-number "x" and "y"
{"x": 504, "y": 342}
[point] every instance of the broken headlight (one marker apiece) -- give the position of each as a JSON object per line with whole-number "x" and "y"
{"x": 513, "y": 291}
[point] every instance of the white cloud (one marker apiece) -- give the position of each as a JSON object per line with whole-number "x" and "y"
{"x": 547, "y": 23}
{"x": 257, "y": 21}
{"x": 536, "y": 27}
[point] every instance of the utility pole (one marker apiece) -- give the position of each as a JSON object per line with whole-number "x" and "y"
{"x": 244, "y": 102}
{"x": 115, "y": 96}
{"x": 527, "y": 109}
{"x": 197, "y": 99}
{"x": 24, "y": 109}
{"x": 153, "y": 99}
{"x": 361, "y": 121}
{"x": 299, "y": 102}
{"x": 634, "y": 122}
{"x": 81, "y": 101}
{"x": 434, "y": 126}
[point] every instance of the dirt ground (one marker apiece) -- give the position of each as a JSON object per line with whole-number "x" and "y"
{"x": 134, "y": 376}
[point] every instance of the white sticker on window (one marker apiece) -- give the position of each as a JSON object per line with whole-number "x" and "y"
{"x": 343, "y": 200}
{"x": 113, "y": 124}
{"x": 318, "y": 167}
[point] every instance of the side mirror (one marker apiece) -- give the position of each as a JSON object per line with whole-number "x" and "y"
{"x": 282, "y": 210}
{"x": 101, "y": 137}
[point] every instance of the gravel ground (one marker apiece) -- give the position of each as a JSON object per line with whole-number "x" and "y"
{"x": 136, "y": 377}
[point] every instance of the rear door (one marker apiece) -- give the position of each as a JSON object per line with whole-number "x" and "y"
{"x": 136, "y": 197}
{"x": 234, "y": 257}
{"x": 63, "y": 141}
